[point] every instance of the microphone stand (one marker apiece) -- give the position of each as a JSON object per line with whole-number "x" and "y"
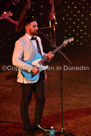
{"x": 62, "y": 131}
{"x": 53, "y": 45}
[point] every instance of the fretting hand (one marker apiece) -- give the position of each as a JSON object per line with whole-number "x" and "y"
{"x": 50, "y": 55}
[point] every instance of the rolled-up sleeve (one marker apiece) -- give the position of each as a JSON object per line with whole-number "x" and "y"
{"x": 17, "y": 58}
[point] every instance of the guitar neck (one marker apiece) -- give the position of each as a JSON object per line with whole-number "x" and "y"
{"x": 57, "y": 49}
{"x": 53, "y": 52}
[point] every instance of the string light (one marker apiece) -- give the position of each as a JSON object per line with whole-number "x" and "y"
{"x": 63, "y": 18}
{"x": 65, "y": 37}
{"x": 69, "y": 26}
{"x": 82, "y": 15}
{"x": 77, "y": 34}
{"x": 78, "y": 19}
{"x": 83, "y": 7}
{"x": 68, "y": 6}
{"x": 70, "y": 18}
{"x": 85, "y": 33}
{"x": 69, "y": 34}
{"x": 65, "y": 30}
{"x": 72, "y": 2}
{"x": 81, "y": 30}
{"x": 80, "y": 43}
{"x": 75, "y": 23}
{"x": 65, "y": 2}
{"x": 67, "y": 14}
{"x": 32, "y": 16}
{"x": 73, "y": 30}
{"x": 81, "y": 36}
{"x": 82, "y": 23}
{"x": 88, "y": 35}
{"x": 76, "y": 40}
{"x": 78, "y": 11}
{"x": 74, "y": 15}
{"x": 41, "y": 14}
{"x": 86, "y": 18}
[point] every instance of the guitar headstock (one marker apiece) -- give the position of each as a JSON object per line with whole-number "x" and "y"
{"x": 5, "y": 15}
{"x": 69, "y": 40}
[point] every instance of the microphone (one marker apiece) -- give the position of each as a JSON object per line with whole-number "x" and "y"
{"x": 47, "y": 36}
{"x": 48, "y": 27}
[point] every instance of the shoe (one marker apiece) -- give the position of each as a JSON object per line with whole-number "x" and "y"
{"x": 40, "y": 128}
{"x": 29, "y": 130}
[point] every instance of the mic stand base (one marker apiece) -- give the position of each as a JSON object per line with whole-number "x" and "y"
{"x": 63, "y": 133}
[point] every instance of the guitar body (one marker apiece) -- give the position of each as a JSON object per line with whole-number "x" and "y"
{"x": 6, "y": 15}
{"x": 34, "y": 62}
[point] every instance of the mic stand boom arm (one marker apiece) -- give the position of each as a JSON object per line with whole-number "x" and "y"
{"x": 53, "y": 43}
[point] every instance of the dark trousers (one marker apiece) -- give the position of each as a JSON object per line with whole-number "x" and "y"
{"x": 27, "y": 90}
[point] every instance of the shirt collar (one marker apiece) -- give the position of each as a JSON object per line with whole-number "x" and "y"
{"x": 29, "y": 36}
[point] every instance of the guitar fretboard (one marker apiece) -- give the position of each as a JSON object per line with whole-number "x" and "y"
{"x": 53, "y": 52}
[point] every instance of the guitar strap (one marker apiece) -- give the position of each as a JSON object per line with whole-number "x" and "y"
{"x": 42, "y": 74}
{"x": 37, "y": 43}
{"x": 39, "y": 50}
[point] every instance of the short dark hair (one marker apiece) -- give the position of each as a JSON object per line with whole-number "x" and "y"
{"x": 29, "y": 20}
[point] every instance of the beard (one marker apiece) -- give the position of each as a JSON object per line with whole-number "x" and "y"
{"x": 34, "y": 32}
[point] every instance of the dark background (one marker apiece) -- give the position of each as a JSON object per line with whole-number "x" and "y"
{"x": 73, "y": 18}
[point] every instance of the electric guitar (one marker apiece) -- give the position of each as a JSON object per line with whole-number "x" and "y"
{"x": 38, "y": 61}
{"x": 5, "y": 15}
